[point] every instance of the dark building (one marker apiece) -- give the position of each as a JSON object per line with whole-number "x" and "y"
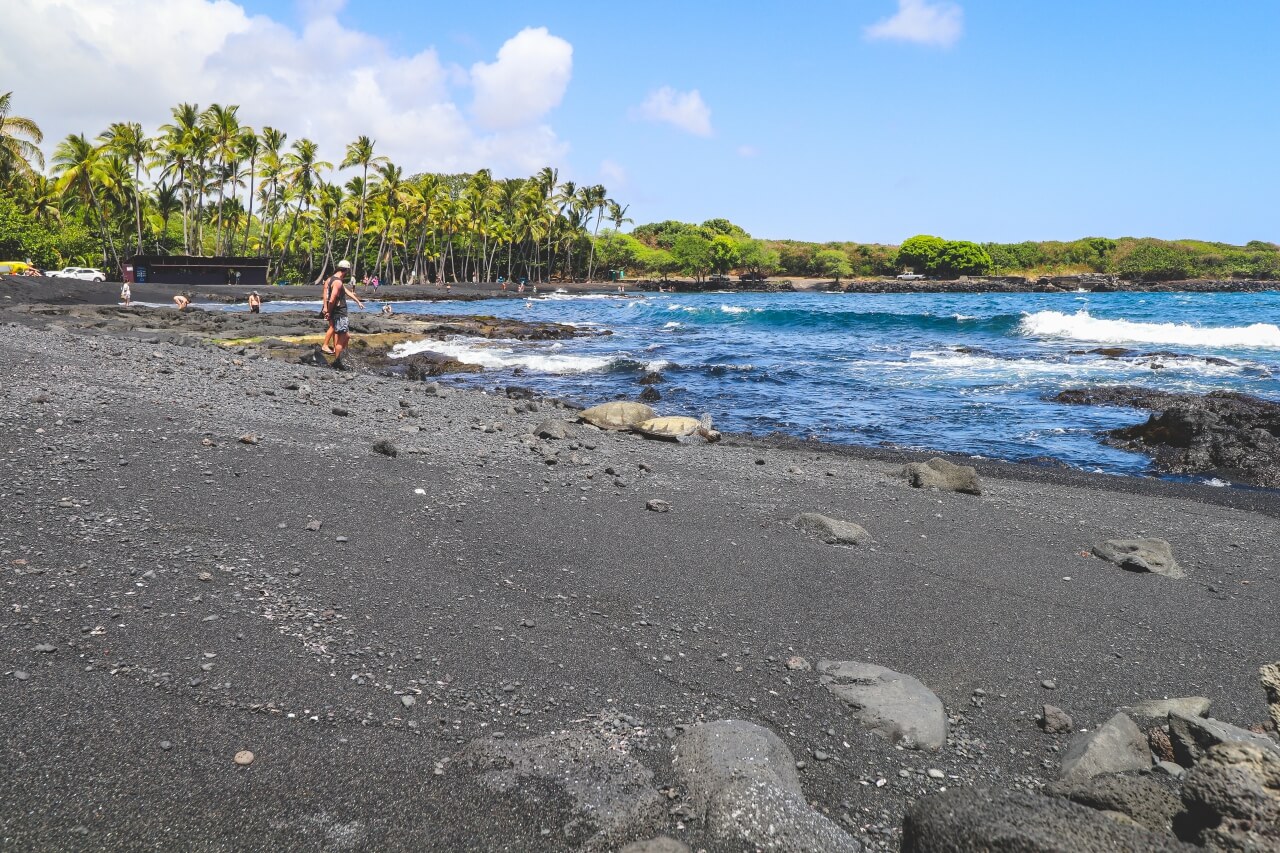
{"x": 184, "y": 269}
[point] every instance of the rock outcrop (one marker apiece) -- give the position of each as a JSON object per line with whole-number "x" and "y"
{"x": 896, "y": 706}
{"x": 1141, "y": 555}
{"x": 945, "y": 476}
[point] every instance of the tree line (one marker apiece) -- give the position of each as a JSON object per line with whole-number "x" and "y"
{"x": 207, "y": 184}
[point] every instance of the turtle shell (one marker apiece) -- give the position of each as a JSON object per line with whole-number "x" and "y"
{"x": 620, "y": 414}
{"x": 673, "y": 427}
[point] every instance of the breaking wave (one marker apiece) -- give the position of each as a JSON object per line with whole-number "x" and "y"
{"x": 1082, "y": 326}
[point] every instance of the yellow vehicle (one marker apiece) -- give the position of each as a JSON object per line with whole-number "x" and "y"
{"x": 16, "y": 268}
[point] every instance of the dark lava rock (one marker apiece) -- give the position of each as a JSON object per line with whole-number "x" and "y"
{"x": 977, "y": 820}
{"x": 1232, "y": 798}
{"x": 386, "y": 448}
{"x": 652, "y": 378}
{"x": 1146, "y": 801}
{"x": 1224, "y": 433}
{"x": 421, "y": 365}
{"x": 650, "y": 395}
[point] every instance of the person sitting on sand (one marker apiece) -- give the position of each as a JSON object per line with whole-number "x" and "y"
{"x": 255, "y": 303}
{"x": 336, "y": 304}
{"x": 126, "y": 295}
{"x": 339, "y": 277}
{"x": 181, "y": 301}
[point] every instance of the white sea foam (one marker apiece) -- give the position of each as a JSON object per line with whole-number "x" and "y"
{"x": 657, "y": 366}
{"x": 672, "y": 325}
{"x": 1081, "y": 326}
{"x": 501, "y": 354}
{"x": 739, "y": 309}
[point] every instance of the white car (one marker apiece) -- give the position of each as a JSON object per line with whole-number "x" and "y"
{"x": 910, "y": 276}
{"x": 85, "y": 273}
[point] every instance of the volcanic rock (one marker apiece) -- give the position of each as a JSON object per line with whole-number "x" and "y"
{"x": 831, "y": 530}
{"x": 1141, "y": 555}
{"x": 1232, "y": 797}
{"x": 895, "y": 706}
{"x": 1117, "y": 746}
{"x": 1193, "y": 736}
{"x": 945, "y": 476}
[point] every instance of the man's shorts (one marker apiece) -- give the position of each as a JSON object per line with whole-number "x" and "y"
{"x": 342, "y": 325}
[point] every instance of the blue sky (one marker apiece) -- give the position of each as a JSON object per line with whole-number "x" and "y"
{"x": 981, "y": 119}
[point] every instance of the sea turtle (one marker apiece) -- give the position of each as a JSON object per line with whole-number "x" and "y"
{"x": 620, "y": 414}
{"x": 677, "y": 428}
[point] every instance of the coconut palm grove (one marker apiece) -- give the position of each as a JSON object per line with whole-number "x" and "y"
{"x": 205, "y": 184}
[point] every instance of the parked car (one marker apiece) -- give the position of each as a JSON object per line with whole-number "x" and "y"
{"x": 910, "y": 276}
{"x": 718, "y": 279}
{"x": 753, "y": 276}
{"x": 84, "y": 273}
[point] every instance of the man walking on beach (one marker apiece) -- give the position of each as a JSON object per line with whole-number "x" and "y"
{"x": 335, "y": 303}
{"x": 338, "y": 278}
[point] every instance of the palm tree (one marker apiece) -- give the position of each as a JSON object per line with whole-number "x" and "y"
{"x": 19, "y": 137}
{"x": 177, "y": 155}
{"x": 78, "y": 164}
{"x": 127, "y": 141}
{"x": 248, "y": 148}
{"x": 167, "y": 201}
{"x": 304, "y": 177}
{"x": 618, "y": 214}
{"x": 224, "y": 135}
{"x": 43, "y": 200}
{"x": 360, "y": 153}
{"x": 594, "y": 199}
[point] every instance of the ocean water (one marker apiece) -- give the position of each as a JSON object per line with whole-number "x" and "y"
{"x": 966, "y": 373}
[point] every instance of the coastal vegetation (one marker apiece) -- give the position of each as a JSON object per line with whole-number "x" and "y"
{"x": 207, "y": 184}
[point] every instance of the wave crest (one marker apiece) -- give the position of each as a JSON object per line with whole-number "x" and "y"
{"x": 1082, "y": 326}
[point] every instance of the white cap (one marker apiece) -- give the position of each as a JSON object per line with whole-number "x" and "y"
{"x": 344, "y": 265}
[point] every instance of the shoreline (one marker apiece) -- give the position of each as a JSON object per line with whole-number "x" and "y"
{"x": 409, "y": 606}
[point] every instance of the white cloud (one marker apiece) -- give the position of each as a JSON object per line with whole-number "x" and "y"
{"x": 131, "y": 60}
{"x": 685, "y": 110}
{"x": 939, "y": 23}
{"x": 613, "y": 174}
{"x": 526, "y": 82}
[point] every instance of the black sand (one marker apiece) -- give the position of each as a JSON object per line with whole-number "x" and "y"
{"x": 194, "y": 614}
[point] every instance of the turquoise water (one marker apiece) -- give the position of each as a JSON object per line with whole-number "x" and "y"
{"x": 965, "y": 373}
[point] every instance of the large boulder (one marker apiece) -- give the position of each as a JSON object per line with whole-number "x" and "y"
{"x": 610, "y": 794}
{"x": 741, "y": 779}
{"x": 1142, "y": 799}
{"x": 945, "y": 476}
{"x": 1270, "y": 675}
{"x": 1160, "y": 709}
{"x": 1193, "y": 736}
{"x": 978, "y": 820}
{"x": 1141, "y": 555}
{"x": 833, "y": 531}
{"x": 896, "y": 706}
{"x": 1116, "y": 746}
{"x": 1232, "y": 797}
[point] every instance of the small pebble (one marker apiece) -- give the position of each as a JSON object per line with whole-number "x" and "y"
{"x": 244, "y": 758}
{"x": 1049, "y": 684}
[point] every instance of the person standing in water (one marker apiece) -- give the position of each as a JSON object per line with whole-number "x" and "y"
{"x": 255, "y": 303}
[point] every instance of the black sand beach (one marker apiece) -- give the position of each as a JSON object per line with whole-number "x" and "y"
{"x": 487, "y": 641}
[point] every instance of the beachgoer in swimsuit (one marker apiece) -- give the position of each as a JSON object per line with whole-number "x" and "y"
{"x": 181, "y": 301}
{"x": 255, "y": 303}
{"x": 125, "y": 294}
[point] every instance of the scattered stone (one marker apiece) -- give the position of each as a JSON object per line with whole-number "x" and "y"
{"x": 895, "y": 706}
{"x": 945, "y": 476}
{"x": 341, "y": 539}
{"x": 833, "y": 531}
{"x": 1049, "y": 684}
{"x": 20, "y": 675}
{"x": 408, "y": 701}
{"x": 980, "y": 820}
{"x": 244, "y": 758}
{"x": 1232, "y": 797}
{"x": 205, "y": 576}
{"x": 1141, "y": 555}
{"x": 795, "y": 663}
{"x": 610, "y": 790}
{"x": 1170, "y": 769}
{"x": 935, "y": 773}
{"x": 1270, "y": 675}
{"x": 657, "y": 505}
{"x": 1193, "y": 736}
{"x": 45, "y": 648}
{"x": 553, "y": 429}
{"x": 742, "y": 781}
{"x": 661, "y": 844}
{"x": 1145, "y": 801}
{"x": 340, "y": 412}
{"x": 1160, "y": 709}
{"x": 166, "y": 745}
{"x": 386, "y": 448}
{"x": 1055, "y": 721}
{"x": 314, "y": 524}
{"x": 1117, "y": 746}
{"x": 1161, "y": 745}
{"x": 248, "y": 438}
